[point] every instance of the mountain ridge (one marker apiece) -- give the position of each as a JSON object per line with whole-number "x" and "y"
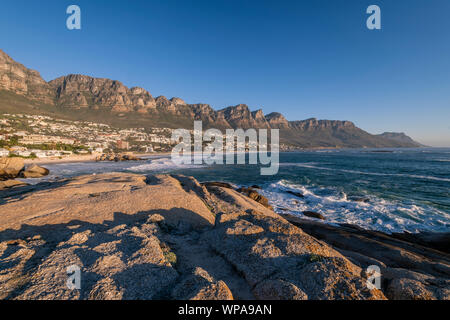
{"x": 81, "y": 97}
{"x": 398, "y": 136}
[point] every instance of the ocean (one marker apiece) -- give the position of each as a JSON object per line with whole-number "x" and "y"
{"x": 390, "y": 190}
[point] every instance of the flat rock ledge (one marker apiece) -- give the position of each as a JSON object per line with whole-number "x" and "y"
{"x": 169, "y": 237}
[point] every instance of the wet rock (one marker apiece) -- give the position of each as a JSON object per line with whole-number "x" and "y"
{"x": 313, "y": 214}
{"x": 358, "y": 199}
{"x": 282, "y": 254}
{"x": 438, "y": 240}
{"x": 294, "y": 193}
{"x": 129, "y": 157}
{"x": 117, "y": 157}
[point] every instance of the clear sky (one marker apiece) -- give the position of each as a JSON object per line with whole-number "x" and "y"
{"x": 305, "y": 59}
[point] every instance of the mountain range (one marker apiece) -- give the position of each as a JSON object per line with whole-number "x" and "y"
{"x": 81, "y": 97}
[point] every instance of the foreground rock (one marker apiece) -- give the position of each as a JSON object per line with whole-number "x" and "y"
{"x": 410, "y": 266}
{"x": 294, "y": 193}
{"x": 169, "y": 237}
{"x": 162, "y": 237}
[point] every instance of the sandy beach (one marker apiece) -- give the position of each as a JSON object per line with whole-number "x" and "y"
{"x": 82, "y": 158}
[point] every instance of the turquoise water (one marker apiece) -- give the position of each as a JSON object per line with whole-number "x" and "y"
{"x": 393, "y": 190}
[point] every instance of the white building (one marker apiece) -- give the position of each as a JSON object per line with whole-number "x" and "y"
{"x": 41, "y": 154}
{"x": 4, "y": 153}
{"x": 148, "y": 149}
{"x": 23, "y": 153}
{"x": 54, "y": 153}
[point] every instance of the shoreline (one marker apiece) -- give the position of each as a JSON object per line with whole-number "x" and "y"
{"x": 91, "y": 157}
{"x": 231, "y": 236}
{"x": 82, "y": 158}
{"x": 361, "y": 207}
{"x": 321, "y": 221}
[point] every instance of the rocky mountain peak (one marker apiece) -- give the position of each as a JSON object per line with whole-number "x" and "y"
{"x": 400, "y": 137}
{"x": 113, "y": 98}
{"x": 177, "y": 101}
{"x": 258, "y": 115}
{"x": 4, "y": 57}
{"x": 16, "y": 78}
{"x": 138, "y": 91}
{"x": 78, "y": 91}
{"x": 277, "y": 120}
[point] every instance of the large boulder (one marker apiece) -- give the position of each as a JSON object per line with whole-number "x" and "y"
{"x": 313, "y": 214}
{"x": 10, "y": 168}
{"x": 129, "y": 157}
{"x": 297, "y": 194}
{"x": 34, "y": 171}
{"x": 280, "y": 261}
{"x": 167, "y": 236}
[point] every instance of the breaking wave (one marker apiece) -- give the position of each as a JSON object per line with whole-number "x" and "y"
{"x": 368, "y": 211}
{"x": 161, "y": 165}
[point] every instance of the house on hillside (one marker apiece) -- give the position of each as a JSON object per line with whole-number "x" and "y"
{"x": 4, "y": 152}
{"x": 124, "y": 145}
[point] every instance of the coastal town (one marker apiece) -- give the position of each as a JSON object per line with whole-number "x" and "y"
{"x": 43, "y": 137}
{"x": 37, "y": 136}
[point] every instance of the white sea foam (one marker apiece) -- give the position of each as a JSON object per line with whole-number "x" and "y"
{"x": 375, "y": 214}
{"x": 162, "y": 165}
{"x": 74, "y": 169}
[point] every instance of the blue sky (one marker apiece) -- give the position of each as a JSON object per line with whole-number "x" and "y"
{"x": 304, "y": 59}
